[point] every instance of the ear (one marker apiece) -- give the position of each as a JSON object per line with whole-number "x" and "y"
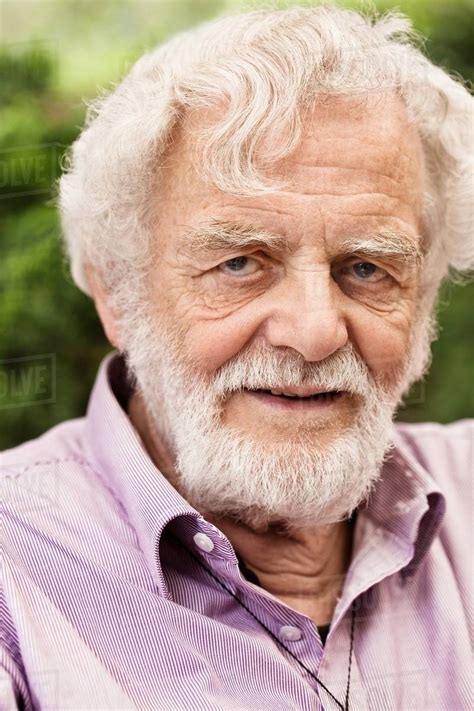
{"x": 106, "y": 313}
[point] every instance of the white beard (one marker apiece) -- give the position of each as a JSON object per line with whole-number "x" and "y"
{"x": 223, "y": 471}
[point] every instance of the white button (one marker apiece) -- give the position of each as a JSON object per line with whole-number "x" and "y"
{"x": 293, "y": 634}
{"x": 203, "y": 542}
{"x": 402, "y": 507}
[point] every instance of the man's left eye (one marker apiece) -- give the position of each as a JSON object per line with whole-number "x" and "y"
{"x": 242, "y": 266}
{"x": 366, "y": 271}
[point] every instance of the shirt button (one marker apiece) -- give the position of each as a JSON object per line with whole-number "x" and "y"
{"x": 402, "y": 507}
{"x": 203, "y": 542}
{"x": 292, "y": 634}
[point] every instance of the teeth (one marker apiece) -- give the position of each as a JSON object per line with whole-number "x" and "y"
{"x": 315, "y": 395}
{"x": 281, "y": 392}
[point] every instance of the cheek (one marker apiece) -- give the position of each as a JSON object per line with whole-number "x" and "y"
{"x": 211, "y": 331}
{"x": 209, "y": 343}
{"x": 382, "y": 343}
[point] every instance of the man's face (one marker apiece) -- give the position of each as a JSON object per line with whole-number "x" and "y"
{"x": 330, "y": 307}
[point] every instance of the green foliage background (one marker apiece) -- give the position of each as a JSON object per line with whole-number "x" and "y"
{"x": 56, "y": 55}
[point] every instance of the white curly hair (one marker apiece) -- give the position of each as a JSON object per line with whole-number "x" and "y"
{"x": 265, "y": 67}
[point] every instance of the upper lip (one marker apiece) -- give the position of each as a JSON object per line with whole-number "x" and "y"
{"x": 304, "y": 391}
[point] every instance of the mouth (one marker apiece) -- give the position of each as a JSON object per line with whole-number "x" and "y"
{"x": 298, "y": 398}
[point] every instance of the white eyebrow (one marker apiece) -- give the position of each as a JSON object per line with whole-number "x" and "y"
{"x": 217, "y": 235}
{"x": 386, "y": 243}
{"x": 222, "y": 234}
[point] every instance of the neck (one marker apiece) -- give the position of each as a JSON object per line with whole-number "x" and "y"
{"x": 155, "y": 446}
{"x": 305, "y": 569}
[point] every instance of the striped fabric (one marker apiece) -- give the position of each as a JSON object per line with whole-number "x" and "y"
{"x": 112, "y": 599}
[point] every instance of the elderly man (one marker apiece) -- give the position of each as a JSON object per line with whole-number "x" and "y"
{"x": 263, "y": 212}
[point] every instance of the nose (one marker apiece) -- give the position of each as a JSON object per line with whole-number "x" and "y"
{"x": 306, "y": 314}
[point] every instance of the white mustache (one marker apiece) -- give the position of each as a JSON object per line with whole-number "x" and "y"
{"x": 274, "y": 370}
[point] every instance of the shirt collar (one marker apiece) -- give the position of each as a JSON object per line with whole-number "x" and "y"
{"x": 400, "y": 520}
{"x": 406, "y": 503}
{"x": 117, "y": 453}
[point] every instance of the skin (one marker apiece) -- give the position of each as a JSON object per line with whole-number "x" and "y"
{"x": 359, "y": 167}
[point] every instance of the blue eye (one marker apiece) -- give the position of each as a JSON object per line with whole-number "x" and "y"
{"x": 236, "y": 264}
{"x": 367, "y": 271}
{"x": 244, "y": 266}
{"x": 364, "y": 269}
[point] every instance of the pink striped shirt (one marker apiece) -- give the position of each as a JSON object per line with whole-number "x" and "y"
{"x": 107, "y": 605}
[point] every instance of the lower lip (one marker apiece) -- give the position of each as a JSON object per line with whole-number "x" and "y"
{"x": 296, "y": 404}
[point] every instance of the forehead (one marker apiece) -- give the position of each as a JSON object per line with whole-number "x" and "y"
{"x": 369, "y": 133}
{"x": 350, "y": 147}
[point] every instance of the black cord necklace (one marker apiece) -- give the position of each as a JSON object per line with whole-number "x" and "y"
{"x": 344, "y": 706}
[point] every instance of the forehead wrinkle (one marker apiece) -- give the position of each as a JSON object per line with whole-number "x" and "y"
{"x": 216, "y": 235}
